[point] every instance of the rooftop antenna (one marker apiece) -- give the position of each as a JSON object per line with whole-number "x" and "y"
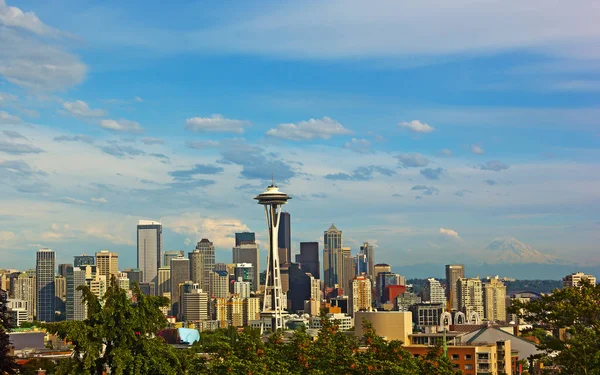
{"x": 272, "y": 179}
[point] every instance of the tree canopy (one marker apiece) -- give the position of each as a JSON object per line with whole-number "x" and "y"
{"x": 7, "y": 362}
{"x": 574, "y": 315}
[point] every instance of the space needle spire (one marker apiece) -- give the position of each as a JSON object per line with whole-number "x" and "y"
{"x": 273, "y": 199}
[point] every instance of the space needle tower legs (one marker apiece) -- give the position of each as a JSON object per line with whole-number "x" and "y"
{"x": 272, "y": 199}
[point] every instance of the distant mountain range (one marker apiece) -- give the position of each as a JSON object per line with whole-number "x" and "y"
{"x": 507, "y": 257}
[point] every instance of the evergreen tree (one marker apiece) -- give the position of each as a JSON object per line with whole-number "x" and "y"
{"x": 7, "y": 362}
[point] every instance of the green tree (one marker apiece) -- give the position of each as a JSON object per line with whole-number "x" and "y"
{"x": 576, "y": 312}
{"x": 119, "y": 334}
{"x": 7, "y": 362}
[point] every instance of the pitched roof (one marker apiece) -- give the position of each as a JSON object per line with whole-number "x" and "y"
{"x": 493, "y": 334}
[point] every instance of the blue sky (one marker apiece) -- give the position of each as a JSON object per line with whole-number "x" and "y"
{"x": 427, "y": 129}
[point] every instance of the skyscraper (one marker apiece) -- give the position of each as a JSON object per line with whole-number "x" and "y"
{"x": 453, "y": 273}
{"x": 494, "y": 300}
{"x": 300, "y": 287}
{"x": 249, "y": 253}
{"x": 285, "y": 234}
{"x": 134, "y": 275}
{"x": 202, "y": 263}
{"x": 107, "y": 264}
{"x": 164, "y": 281}
{"x": 149, "y": 249}
{"x": 60, "y": 294}
{"x": 83, "y": 260}
{"x": 332, "y": 256}
{"x": 369, "y": 252}
{"x": 220, "y": 284}
{"x": 470, "y": 296}
{"x": 433, "y": 292}
{"x": 361, "y": 295}
{"x": 44, "y": 274}
{"x": 25, "y": 289}
{"x": 170, "y": 254}
{"x": 76, "y": 308}
{"x": 309, "y": 258}
{"x": 349, "y": 273}
{"x": 64, "y": 269}
{"x": 245, "y": 238}
{"x": 195, "y": 304}
{"x": 180, "y": 273}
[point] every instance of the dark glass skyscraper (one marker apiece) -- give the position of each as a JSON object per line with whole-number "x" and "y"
{"x": 44, "y": 275}
{"x": 245, "y": 238}
{"x": 309, "y": 258}
{"x": 84, "y": 260}
{"x": 453, "y": 273}
{"x": 285, "y": 234}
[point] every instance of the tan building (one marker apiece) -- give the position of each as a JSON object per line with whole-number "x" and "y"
{"x": 164, "y": 281}
{"x": 235, "y": 311}
{"x": 195, "y": 305}
{"x": 361, "y": 295}
{"x": 494, "y": 300}
{"x": 219, "y": 281}
{"x": 470, "y": 296}
{"x": 251, "y": 309}
{"x": 107, "y": 264}
{"x": 25, "y": 289}
{"x": 391, "y": 325}
{"x": 574, "y": 279}
{"x": 381, "y": 267}
{"x": 98, "y": 286}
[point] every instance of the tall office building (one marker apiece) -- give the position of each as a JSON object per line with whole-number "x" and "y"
{"x": 220, "y": 284}
{"x": 64, "y": 269}
{"x": 285, "y": 235}
{"x": 246, "y": 272}
{"x": 433, "y": 292}
{"x": 362, "y": 267}
{"x": 164, "y": 281}
{"x": 249, "y": 253}
{"x": 180, "y": 273}
{"x": 60, "y": 294}
{"x": 134, "y": 275}
{"x": 25, "y": 289}
{"x": 170, "y": 254}
{"x": 300, "y": 287}
{"x": 333, "y": 264}
{"x": 245, "y": 238}
{"x": 494, "y": 300}
{"x": 83, "y": 260}
{"x": 384, "y": 280}
{"x": 44, "y": 275}
{"x": 470, "y": 296}
{"x": 149, "y": 249}
{"x": 369, "y": 252}
{"x": 76, "y": 308}
{"x": 361, "y": 295}
{"x": 349, "y": 273}
{"x": 379, "y": 268}
{"x": 202, "y": 264}
{"x": 453, "y": 273}
{"x": 107, "y": 264}
{"x": 309, "y": 258}
{"x": 195, "y": 304}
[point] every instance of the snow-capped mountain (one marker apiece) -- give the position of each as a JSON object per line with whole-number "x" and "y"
{"x": 510, "y": 250}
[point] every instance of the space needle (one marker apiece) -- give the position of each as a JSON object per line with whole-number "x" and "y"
{"x": 273, "y": 199}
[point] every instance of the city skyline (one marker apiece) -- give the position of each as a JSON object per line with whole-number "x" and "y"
{"x": 455, "y": 144}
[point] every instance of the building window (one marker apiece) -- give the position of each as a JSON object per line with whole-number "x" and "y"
{"x": 468, "y": 367}
{"x": 468, "y": 357}
{"x": 455, "y": 357}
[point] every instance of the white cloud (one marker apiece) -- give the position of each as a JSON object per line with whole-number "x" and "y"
{"x": 7, "y": 235}
{"x": 477, "y": 149}
{"x": 99, "y": 200}
{"x": 5, "y": 98}
{"x": 412, "y": 160}
{"x": 80, "y": 108}
{"x": 449, "y": 233}
{"x": 215, "y": 123}
{"x": 8, "y": 119}
{"x": 121, "y": 126}
{"x": 219, "y": 231}
{"x": 362, "y": 146}
{"x": 138, "y": 99}
{"x": 71, "y": 200}
{"x": 153, "y": 141}
{"x": 323, "y": 128}
{"x": 416, "y": 126}
{"x": 445, "y": 152}
{"x": 15, "y": 17}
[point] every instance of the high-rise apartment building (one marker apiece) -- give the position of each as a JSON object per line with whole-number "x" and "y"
{"x": 220, "y": 284}
{"x": 170, "y": 254}
{"x": 309, "y": 258}
{"x": 249, "y": 253}
{"x": 470, "y": 296}
{"x": 251, "y": 308}
{"x": 25, "y": 289}
{"x": 361, "y": 295}
{"x": 494, "y": 300}
{"x": 433, "y": 292}
{"x": 285, "y": 236}
{"x": 76, "y": 308}
{"x": 180, "y": 273}
{"x": 202, "y": 264}
{"x": 369, "y": 252}
{"x": 149, "y": 249}
{"x": 83, "y": 260}
{"x": 333, "y": 264}
{"x": 453, "y": 273}
{"x": 245, "y": 238}
{"x": 241, "y": 288}
{"x": 44, "y": 275}
{"x": 574, "y": 279}
{"x": 107, "y": 264}
{"x": 98, "y": 286}
{"x": 164, "y": 281}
